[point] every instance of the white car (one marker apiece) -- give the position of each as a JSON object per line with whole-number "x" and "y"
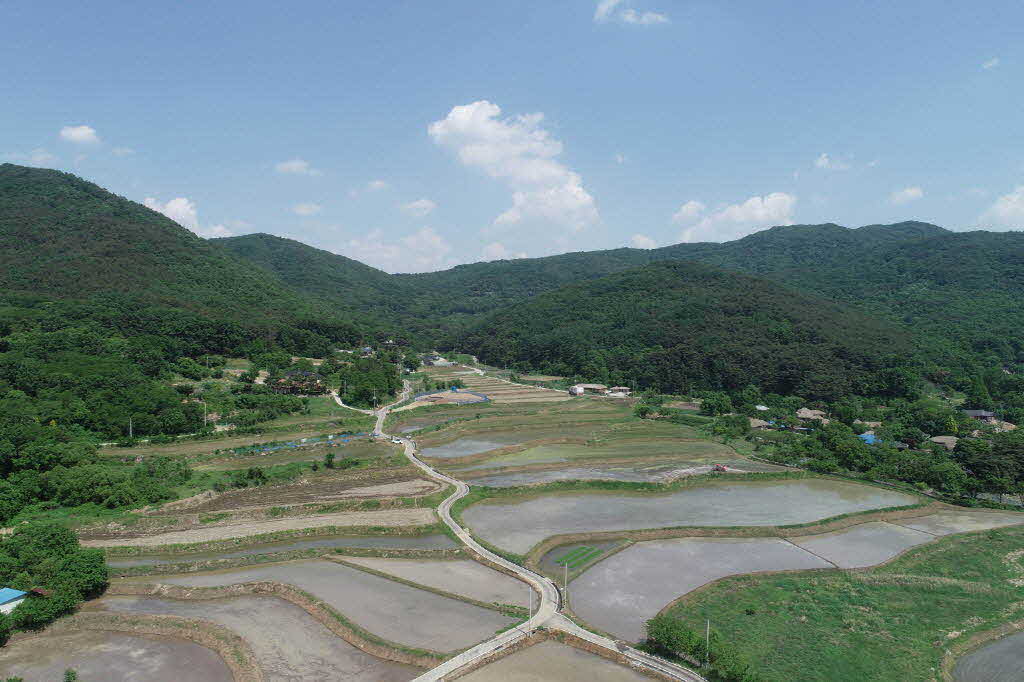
{"x": 396, "y": 441}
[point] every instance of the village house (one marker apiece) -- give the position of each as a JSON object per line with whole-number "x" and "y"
{"x": 981, "y": 415}
{"x": 301, "y": 382}
{"x": 948, "y": 442}
{"x": 619, "y": 391}
{"x": 594, "y": 389}
{"x": 807, "y": 414}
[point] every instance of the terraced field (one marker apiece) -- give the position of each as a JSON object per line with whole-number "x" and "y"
{"x": 517, "y": 525}
{"x": 288, "y": 642}
{"x": 98, "y": 655}
{"x": 395, "y": 611}
{"x": 498, "y": 390}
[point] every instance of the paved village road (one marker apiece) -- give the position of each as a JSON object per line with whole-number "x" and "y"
{"x": 547, "y": 614}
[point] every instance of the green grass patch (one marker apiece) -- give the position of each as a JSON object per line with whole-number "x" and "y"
{"x": 889, "y": 623}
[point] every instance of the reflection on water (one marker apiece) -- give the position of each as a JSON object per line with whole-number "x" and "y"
{"x": 517, "y": 526}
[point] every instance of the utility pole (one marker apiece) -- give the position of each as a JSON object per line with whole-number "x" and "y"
{"x": 131, "y": 433}
{"x": 530, "y": 598}
{"x": 707, "y": 644}
{"x": 204, "y": 413}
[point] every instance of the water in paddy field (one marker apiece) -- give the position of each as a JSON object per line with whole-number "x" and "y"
{"x": 1000, "y": 661}
{"x": 96, "y": 655}
{"x": 518, "y": 526}
{"x": 437, "y": 541}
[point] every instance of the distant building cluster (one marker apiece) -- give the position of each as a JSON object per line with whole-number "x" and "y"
{"x": 599, "y": 389}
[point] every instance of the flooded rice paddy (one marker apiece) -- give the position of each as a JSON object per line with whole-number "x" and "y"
{"x": 947, "y": 523}
{"x": 658, "y": 473}
{"x": 554, "y": 662}
{"x": 289, "y": 644}
{"x": 865, "y": 545}
{"x": 98, "y": 655}
{"x": 622, "y": 592}
{"x": 518, "y": 526}
{"x": 394, "y": 611}
{"x": 464, "y": 447}
{"x": 1000, "y": 661}
{"x": 463, "y": 577}
{"x": 397, "y": 542}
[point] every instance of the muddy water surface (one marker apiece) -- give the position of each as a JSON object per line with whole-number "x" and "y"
{"x": 1000, "y": 661}
{"x": 518, "y": 526}
{"x": 112, "y": 656}
{"x": 553, "y": 662}
{"x": 400, "y": 613}
{"x": 289, "y": 644}
{"x": 437, "y": 541}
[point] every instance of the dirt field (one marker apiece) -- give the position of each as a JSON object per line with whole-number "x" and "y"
{"x": 319, "y": 491}
{"x": 199, "y": 447}
{"x": 389, "y": 518}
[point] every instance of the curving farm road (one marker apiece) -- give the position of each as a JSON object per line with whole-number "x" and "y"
{"x": 547, "y": 614}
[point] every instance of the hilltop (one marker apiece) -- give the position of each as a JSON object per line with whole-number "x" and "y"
{"x": 680, "y": 325}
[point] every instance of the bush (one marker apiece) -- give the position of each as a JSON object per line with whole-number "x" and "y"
{"x": 671, "y": 636}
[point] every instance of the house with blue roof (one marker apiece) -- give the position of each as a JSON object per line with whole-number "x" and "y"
{"x": 9, "y": 598}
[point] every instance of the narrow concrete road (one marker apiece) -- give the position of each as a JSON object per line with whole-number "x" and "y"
{"x": 547, "y": 614}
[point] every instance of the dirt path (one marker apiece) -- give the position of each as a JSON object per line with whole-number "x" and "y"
{"x": 390, "y": 518}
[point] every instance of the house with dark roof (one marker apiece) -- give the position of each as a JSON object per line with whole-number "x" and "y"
{"x": 981, "y": 415}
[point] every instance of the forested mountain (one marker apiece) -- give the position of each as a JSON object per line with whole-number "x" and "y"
{"x": 70, "y": 250}
{"x": 681, "y": 325}
{"x": 63, "y": 237}
{"x": 110, "y": 261}
{"x": 343, "y": 282}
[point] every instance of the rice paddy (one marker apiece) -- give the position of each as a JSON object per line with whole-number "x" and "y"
{"x": 520, "y": 524}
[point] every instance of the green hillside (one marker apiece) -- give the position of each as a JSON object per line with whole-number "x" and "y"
{"x": 679, "y": 325}
{"x": 71, "y": 250}
{"x": 345, "y": 283}
{"x": 63, "y": 237}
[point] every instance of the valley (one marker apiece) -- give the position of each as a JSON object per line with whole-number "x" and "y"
{"x": 424, "y": 482}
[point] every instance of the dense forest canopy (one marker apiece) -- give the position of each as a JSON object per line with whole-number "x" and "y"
{"x": 678, "y": 326}
{"x": 823, "y": 302}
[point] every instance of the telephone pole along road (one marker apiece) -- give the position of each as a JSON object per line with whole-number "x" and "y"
{"x": 547, "y": 614}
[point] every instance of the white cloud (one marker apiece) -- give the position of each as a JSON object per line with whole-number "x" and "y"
{"x": 520, "y": 152}
{"x": 620, "y": 159}
{"x": 906, "y": 195}
{"x": 419, "y": 208}
{"x": 36, "y": 157}
{"x": 990, "y": 63}
{"x": 296, "y": 167}
{"x": 631, "y": 16}
{"x": 828, "y": 163}
{"x": 606, "y": 11}
{"x": 498, "y": 251}
{"x": 371, "y": 186}
{"x": 79, "y": 134}
{"x": 422, "y": 251}
{"x": 122, "y": 151}
{"x": 642, "y": 241}
{"x": 688, "y": 212}
{"x": 306, "y": 209}
{"x": 736, "y": 220}
{"x": 1007, "y": 211}
{"x": 183, "y": 211}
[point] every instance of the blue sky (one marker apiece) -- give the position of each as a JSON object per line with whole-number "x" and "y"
{"x": 416, "y": 135}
